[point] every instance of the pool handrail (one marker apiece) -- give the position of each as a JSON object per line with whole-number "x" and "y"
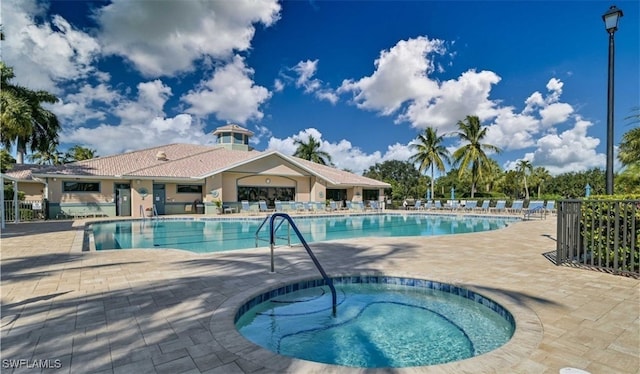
{"x": 272, "y": 240}
{"x": 260, "y": 228}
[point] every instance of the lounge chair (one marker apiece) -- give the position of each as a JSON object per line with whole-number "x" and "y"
{"x": 550, "y": 207}
{"x": 500, "y": 206}
{"x": 437, "y": 205}
{"x": 485, "y": 206}
{"x": 358, "y": 206}
{"x": 373, "y": 204}
{"x": 417, "y": 205}
{"x": 246, "y": 208}
{"x": 516, "y": 207}
{"x": 332, "y": 206}
{"x": 470, "y": 205}
{"x": 279, "y": 207}
{"x": 535, "y": 207}
{"x": 262, "y": 205}
{"x": 349, "y": 206}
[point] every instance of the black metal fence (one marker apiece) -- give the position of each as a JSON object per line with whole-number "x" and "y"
{"x": 600, "y": 234}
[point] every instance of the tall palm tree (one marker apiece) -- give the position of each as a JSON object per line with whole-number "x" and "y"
{"x": 430, "y": 152}
{"x": 472, "y": 154}
{"x": 24, "y": 121}
{"x": 311, "y": 151}
{"x": 524, "y": 167}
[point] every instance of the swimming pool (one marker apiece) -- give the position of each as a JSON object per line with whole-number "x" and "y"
{"x": 214, "y": 235}
{"x": 381, "y": 322}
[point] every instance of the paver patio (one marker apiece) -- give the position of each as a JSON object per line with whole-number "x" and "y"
{"x": 169, "y": 311}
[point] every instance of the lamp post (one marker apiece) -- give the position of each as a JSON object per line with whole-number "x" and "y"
{"x": 610, "y": 18}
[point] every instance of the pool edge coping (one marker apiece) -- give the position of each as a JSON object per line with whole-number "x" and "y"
{"x": 526, "y": 338}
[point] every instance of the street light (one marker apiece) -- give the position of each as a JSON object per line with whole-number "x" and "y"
{"x": 610, "y": 18}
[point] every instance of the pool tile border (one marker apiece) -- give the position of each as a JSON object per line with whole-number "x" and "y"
{"x": 526, "y": 338}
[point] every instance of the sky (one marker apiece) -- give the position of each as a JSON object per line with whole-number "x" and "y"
{"x": 363, "y": 77}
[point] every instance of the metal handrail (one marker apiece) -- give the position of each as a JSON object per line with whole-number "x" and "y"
{"x": 280, "y": 224}
{"x": 272, "y": 240}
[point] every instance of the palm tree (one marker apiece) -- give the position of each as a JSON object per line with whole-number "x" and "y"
{"x": 49, "y": 157}
{"x": 629, "y": 152}
{"x": 430, "y": 153}
{"x": 524, "y": 167}
{"x": 79, "y": 153}
{"x": 473, "y": 153}
{"x": 23, "y": 119}
{"x": 539, "y": 177}
{"x": 311, "y": 151}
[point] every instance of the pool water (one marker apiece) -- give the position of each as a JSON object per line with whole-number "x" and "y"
{"x": 214, "y": 235}
{"x": 378, "y": 325}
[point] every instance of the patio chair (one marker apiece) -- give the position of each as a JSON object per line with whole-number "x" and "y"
{"x": 470, "y": 205}
{"x": 278, "y": 205}
{"x": 535, "y": 206}
{"x": 500, "y": 206}
{"x": 437, "y": 205}
{"x": 333, "y": 206}
{"x": 550, "y": 207}
{"x": 349, "y": 206}
{"x": 485, "y": 206}
{"x": 262, "y": 206}
{"x": 246, "y": 208}
{"x": 516, "y": 207}
{"x": 417, "y": 205}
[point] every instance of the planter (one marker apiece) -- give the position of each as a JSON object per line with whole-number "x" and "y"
{"x": 148, "y": 213}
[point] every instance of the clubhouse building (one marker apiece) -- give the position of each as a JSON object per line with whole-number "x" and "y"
{"x": 188, "y": 178}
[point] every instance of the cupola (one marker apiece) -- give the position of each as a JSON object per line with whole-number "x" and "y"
{"x": 233, "y": 137}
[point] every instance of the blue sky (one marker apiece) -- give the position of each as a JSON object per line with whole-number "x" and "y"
{"x": 364, "y": 77}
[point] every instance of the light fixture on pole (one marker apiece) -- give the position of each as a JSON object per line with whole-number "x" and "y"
{"x": 610, "y": 18}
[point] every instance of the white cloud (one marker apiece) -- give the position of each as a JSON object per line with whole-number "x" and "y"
{"x": 230, "y": 94}
{"x": 76, "y": 109}
{"x": 151, "y": 99}
{"x": 112, "y": 139}
{"x": 571, "y": 150}
{"x": 305, "y": 70}
{"x": 453, "y": 101}
{"x": 401, "y": 74}
{"x": 165, "y": 37}
{"x": 43, "y": 54}
{"x": 343, "y": 154}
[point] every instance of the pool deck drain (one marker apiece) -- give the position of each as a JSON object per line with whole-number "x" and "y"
{"x": 167, "y": 311}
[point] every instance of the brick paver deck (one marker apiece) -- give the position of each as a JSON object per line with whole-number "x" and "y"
{"x": 169, "y": 311}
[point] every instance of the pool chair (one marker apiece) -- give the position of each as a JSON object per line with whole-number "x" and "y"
{"x": 349, "y": 206}
{"x": 332, "y": 206}
{"x": 278, "y": 205}
{"x": 437, "y": 205}
{"x": 516, "y": 207}
{"x": 373, "y": 204}
{"x": 417, "y": 205}
{"x": 246, "y": 208}
{"x": 262, "y": 205}
{"x": 536, "y": 207}
{"x": 500, "y": 207}
{"x": 470, "y": 205}
{"x": 485, "y": 206}
{"x": 550, "y": 207}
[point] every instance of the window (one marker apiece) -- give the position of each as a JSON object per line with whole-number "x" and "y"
{"x": 270, "y": 194}
{"x": 238, "y": 138}
{"x": 72, "y": 186}
{"x": 189, "y": 188}
{"x": 225, "y": 137}
{"x": 370, "y": 195}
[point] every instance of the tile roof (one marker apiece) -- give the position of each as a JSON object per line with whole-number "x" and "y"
{"x": 188, "y": 161}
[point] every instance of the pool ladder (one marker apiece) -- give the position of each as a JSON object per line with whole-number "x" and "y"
{"x": 272, "y": 243}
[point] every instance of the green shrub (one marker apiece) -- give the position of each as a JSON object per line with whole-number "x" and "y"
{"x": 601, "y": 231}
